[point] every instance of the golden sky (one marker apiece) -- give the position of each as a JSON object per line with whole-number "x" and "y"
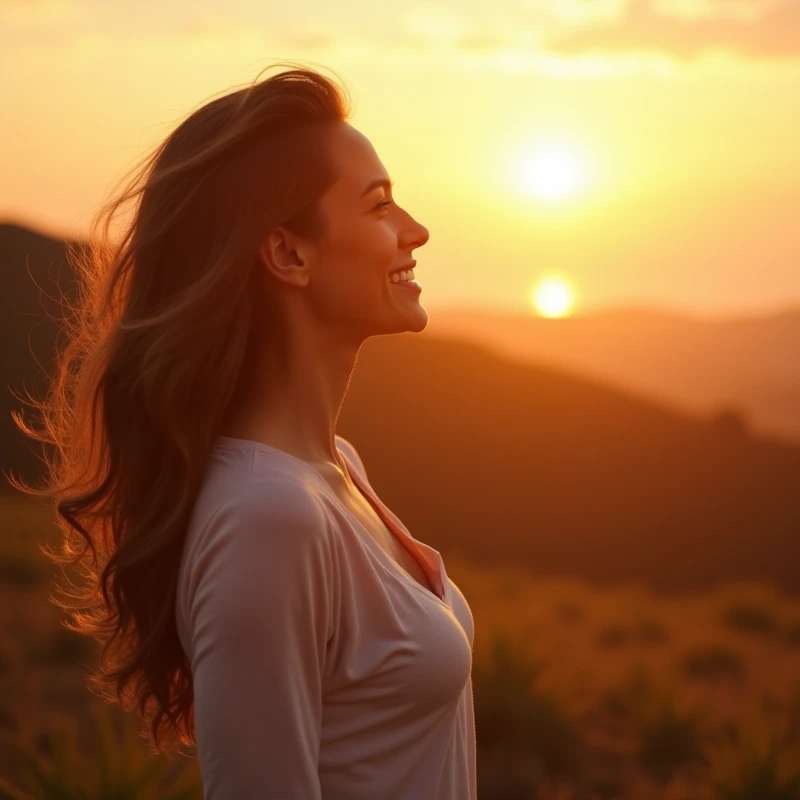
{"x": 642, "y": 151}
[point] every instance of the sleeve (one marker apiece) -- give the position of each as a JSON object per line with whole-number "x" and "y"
{"x": 260, "y": 621}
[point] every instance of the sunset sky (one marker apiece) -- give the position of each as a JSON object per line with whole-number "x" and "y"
{"x": 639, "y": 151}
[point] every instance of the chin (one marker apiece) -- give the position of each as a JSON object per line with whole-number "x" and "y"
{"x": 419, "y": 323}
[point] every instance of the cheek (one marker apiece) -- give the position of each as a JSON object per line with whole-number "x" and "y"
{"x": 361, "y": 257}
{"x": 378, "y": 239}
{"x": 370, "y": 242}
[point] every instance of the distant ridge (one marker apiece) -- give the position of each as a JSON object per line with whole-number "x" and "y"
{"x": 494, "y": 459}
{"x": 750, "y": 362}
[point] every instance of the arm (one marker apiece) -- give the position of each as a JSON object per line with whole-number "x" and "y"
{"x": 260, "y": 617}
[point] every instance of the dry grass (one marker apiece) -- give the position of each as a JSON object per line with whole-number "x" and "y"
{"x": 581, "y": 693}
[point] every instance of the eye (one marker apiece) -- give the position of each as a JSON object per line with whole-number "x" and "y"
{"x": 384, "y": 203}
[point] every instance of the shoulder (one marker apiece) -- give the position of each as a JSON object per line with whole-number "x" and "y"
{"x": 266, "y": 513}
{"x": 275, "y": 496}
{"x": 271, "y": 507}
{"x": 266, "y": 539}
{"x": 351, "y": 454}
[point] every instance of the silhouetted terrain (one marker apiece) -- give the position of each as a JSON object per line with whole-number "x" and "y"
{"x": 498, "y": 461}
{"x": 34, "y": 274}
{"x": 698, "y": 365}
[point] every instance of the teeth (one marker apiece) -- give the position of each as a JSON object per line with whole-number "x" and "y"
{"x": 405, "y": 275}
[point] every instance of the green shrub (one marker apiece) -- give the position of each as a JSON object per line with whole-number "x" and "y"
{"x": 750, "y": 618}
{"x": 120, "y": 769}
{"x": 21, "y": 573}
{"x": 666, "y": 738}
{"x": 10, "y": 792}
{"x": 714, "y": 661}
{"x": 669, "y": 739}
{"x": 613, "y": 635}
{"x": 793, "y": 633}
{"x": 63, "y": 648}
{"x": 511, "y": 713}
{"x": 651, "y": 631}
{"x": 570, "y": 611}
{"x": 755, "y": 764}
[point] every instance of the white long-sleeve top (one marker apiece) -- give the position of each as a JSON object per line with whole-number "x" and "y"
{"x": 321, "y": 669}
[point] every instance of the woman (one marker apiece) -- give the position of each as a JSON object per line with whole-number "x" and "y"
{"x": 258, "y": 599}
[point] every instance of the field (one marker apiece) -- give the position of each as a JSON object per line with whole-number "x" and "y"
{"x": 580, "y": 692}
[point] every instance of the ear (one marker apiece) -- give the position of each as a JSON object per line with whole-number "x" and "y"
{"x": 279, "y": 256}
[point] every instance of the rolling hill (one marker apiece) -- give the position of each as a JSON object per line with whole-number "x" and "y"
{"x": 498, "y": 460}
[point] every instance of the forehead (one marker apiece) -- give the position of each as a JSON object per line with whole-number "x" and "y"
{"x": 355, "y": 159}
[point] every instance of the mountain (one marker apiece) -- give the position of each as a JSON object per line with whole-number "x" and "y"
{"x": 507, "y": 462}
{"x": 699, "y": 365}
{"x": 34, "y": 274}
{"x": 492, "y": 459}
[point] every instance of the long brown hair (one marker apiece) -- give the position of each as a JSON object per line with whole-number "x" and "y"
{"x": 155, "y": 354}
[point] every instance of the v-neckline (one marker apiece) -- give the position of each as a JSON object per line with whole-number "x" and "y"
{"x": 398, "y": 533}
{"x": 376, "y": 503}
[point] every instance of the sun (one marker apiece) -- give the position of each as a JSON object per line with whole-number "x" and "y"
{"x": 554, "y": 172}
{"x": 553, "y": 297}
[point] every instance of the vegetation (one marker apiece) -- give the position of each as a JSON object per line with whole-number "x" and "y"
{"x": 580, "y": 693}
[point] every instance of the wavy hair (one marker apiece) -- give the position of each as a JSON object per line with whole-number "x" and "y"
{"x": 155, "y": 354}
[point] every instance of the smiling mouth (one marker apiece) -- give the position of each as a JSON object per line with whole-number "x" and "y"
{"x": 408, "y": 285}
{"x": 404, "y": 275}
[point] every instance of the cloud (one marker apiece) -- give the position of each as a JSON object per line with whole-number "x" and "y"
{"x": 437, "y": 25}
{"x": 742, "y": 10}
{"x": 576, "y": 11}
{"x": 685, "y": 30}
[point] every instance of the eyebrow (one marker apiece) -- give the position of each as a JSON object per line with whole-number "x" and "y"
{"x": 376, "y": 183}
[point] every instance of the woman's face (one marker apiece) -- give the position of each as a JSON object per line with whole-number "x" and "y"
{"x": 366, "y": 238}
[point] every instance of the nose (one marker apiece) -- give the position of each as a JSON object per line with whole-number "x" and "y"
{"x": 416, "y": 236}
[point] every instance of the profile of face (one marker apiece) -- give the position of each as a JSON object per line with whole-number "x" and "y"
{"x": 344, "y": 276}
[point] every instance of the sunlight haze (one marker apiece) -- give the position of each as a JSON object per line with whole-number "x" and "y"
{"x": 647, "y": 149}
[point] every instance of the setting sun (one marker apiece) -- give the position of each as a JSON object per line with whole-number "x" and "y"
{"x": 554, "y": 172}
{"x": 553, "y": 297}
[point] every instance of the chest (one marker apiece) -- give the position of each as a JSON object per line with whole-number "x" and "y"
{"x": 372, "y": 522}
